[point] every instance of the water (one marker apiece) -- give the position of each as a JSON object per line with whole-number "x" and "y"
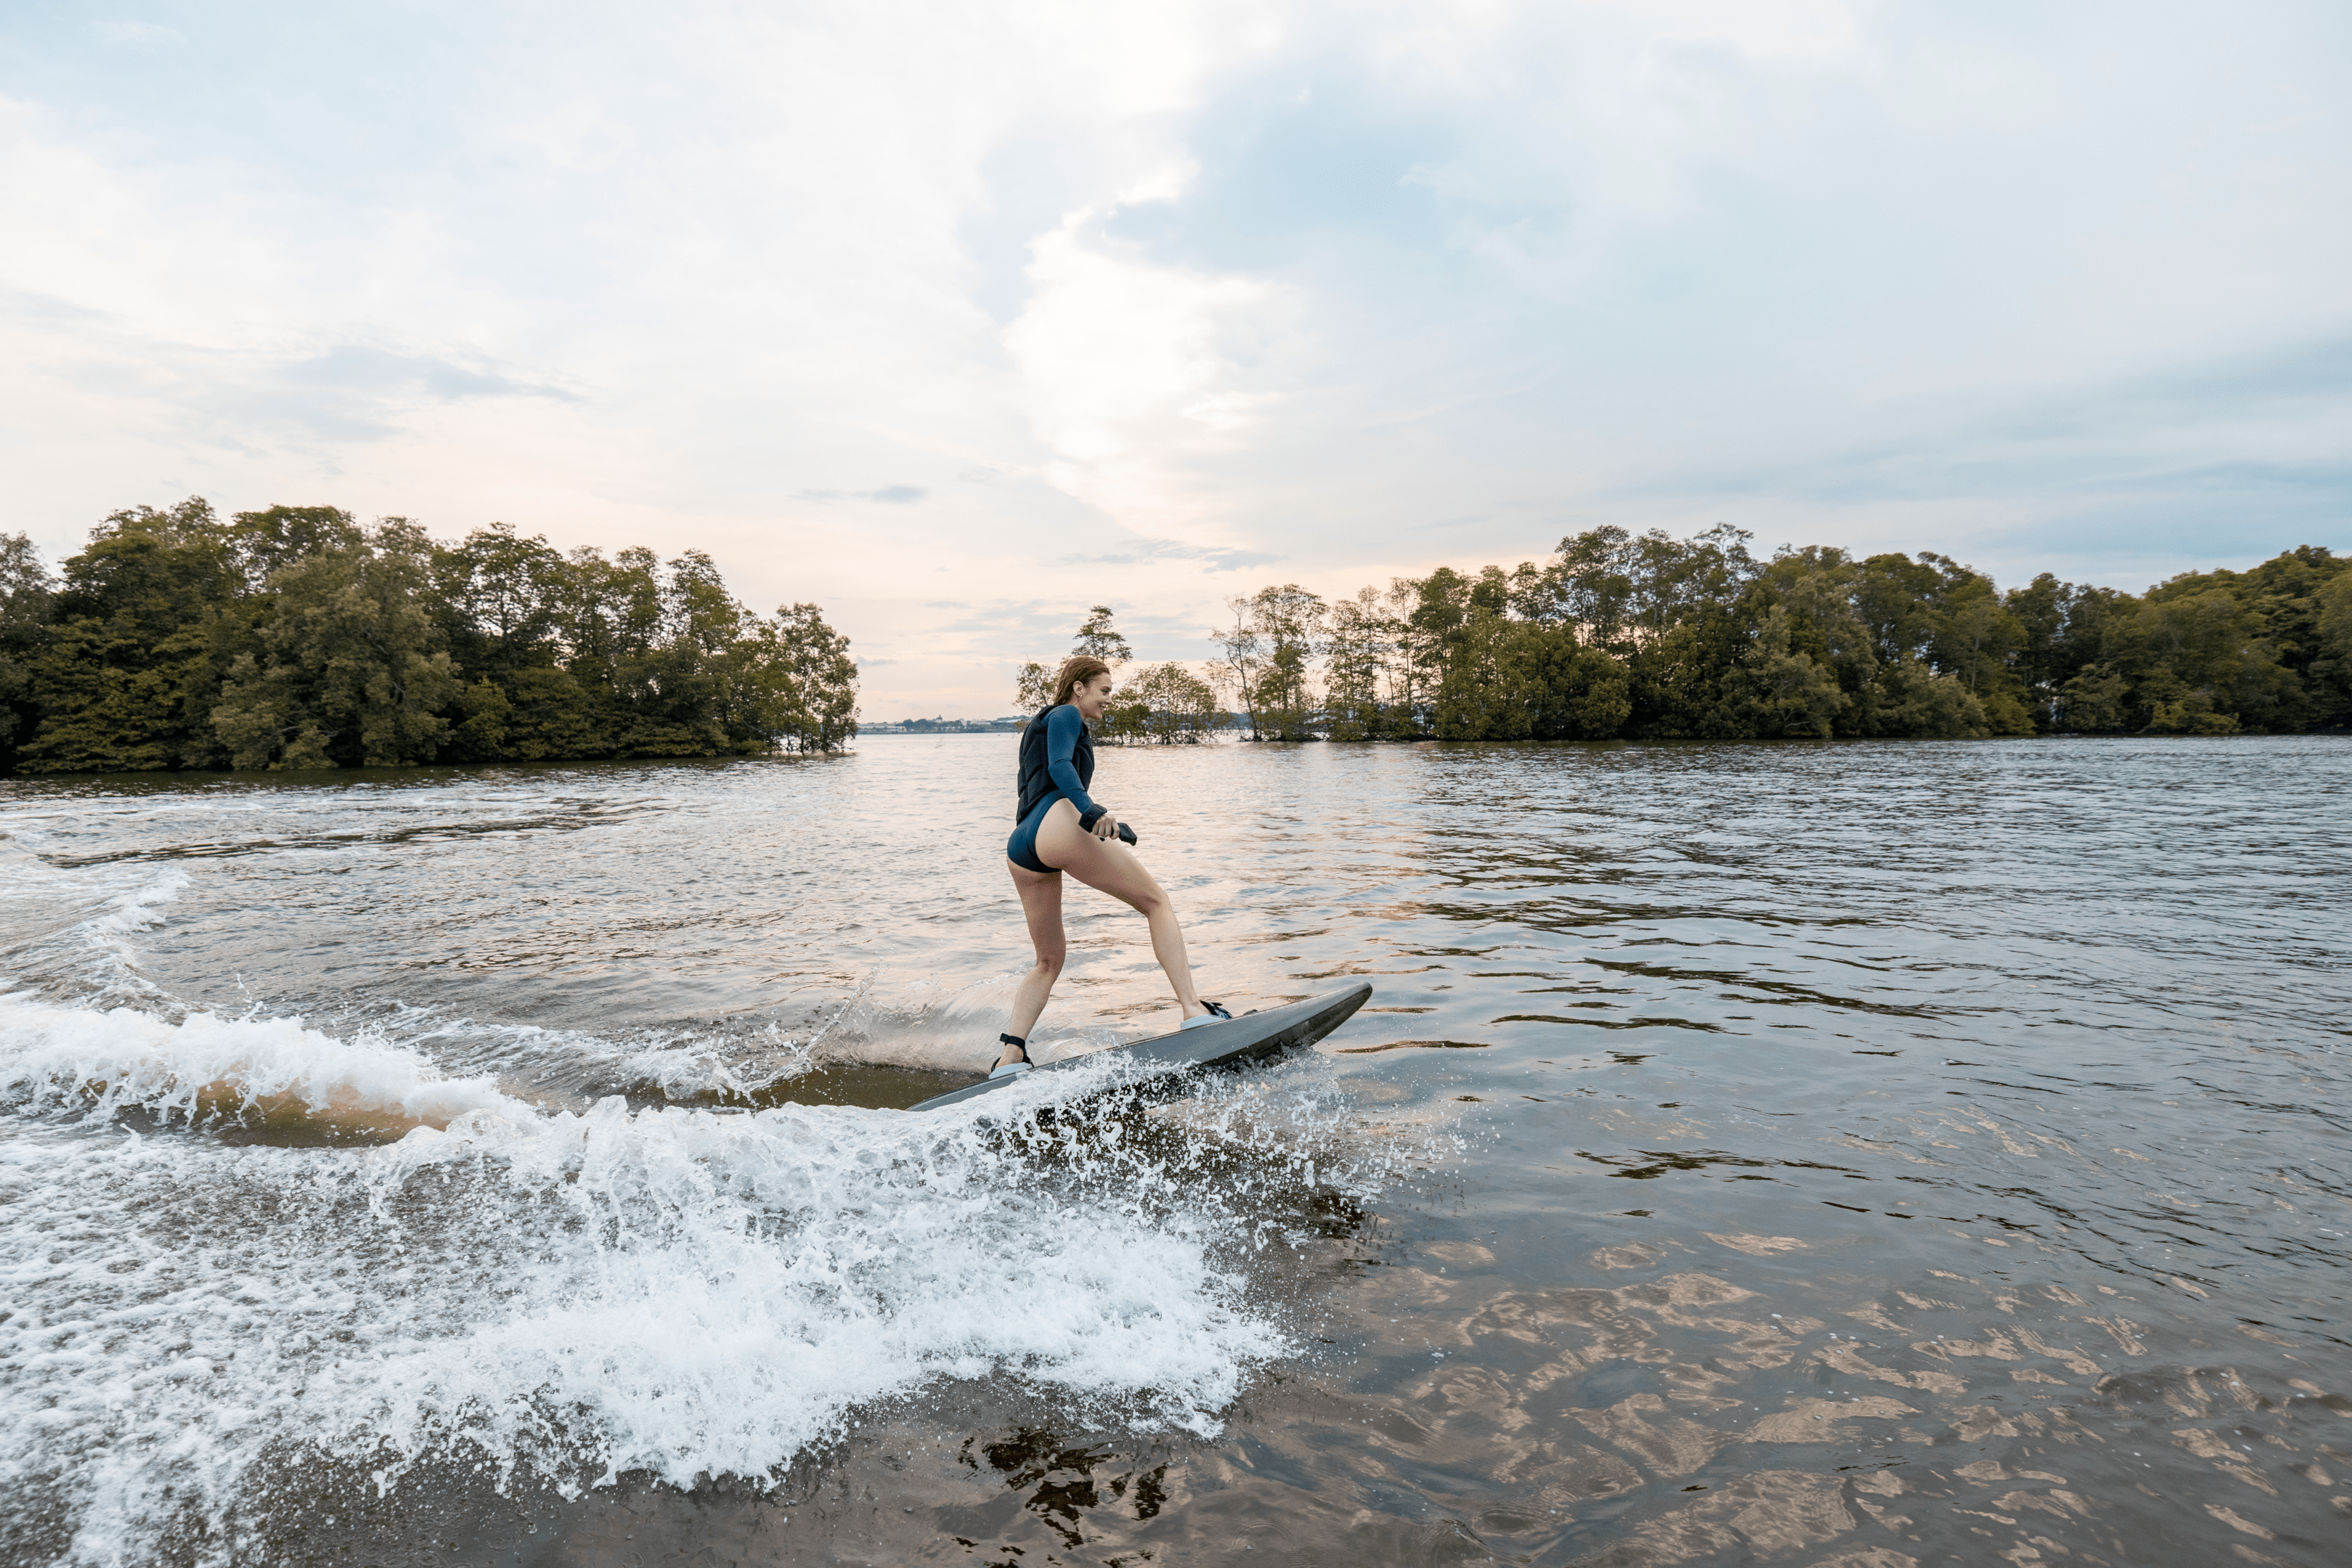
{"x": 1867, "y": 1155}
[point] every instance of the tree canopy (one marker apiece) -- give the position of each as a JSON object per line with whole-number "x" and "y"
{"x": 298, "y": 637}
{"x": 1646, "y": 636}
{"x": 1649, "y": 636}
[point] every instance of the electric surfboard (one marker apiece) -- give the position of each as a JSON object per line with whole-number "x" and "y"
{"x": 1227, "y": 1046}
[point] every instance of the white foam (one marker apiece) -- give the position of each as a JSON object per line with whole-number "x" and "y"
{"x": 122, "y": 1057}
{"x": 135, "y": 909}
{"x": 690, "y": 1293}
{"x": 682, "y": 1064}
{"x": 99, "y": 910}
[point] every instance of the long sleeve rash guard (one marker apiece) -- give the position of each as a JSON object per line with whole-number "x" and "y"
{"x": 1062, "y": 728}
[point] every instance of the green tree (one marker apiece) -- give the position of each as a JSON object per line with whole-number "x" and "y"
{"x": 293, "y": 637}
{"x": 2040, "y": 611}
{"x": 2087, "y": 696}
{"x": 261, "y": 543}
{"x": 1504, "y": 662}
{"x": 1909, "y": 700}
{"x": 1358, "y": 656}
{"x": 147, "y": 618}
{"x": 1573, "y": 693}
{"x": 1817, "y": 587}
{"x": 1589, "y": 584}
{"x": 502, "y": 599}
{"x": 799, "y": 685}
{"x": 2095, "y": 700}
{"x": 1179, "y": 708}
{"x": 1100, "y": 640}
{"x": 2196, "y": 662}
{"x": 1482, "y": 693}
{"x": 27, "y": 596}
{"x": 540, "y": 715}
{"x": 2287, "y": 595}
{"x": 1126, "y": 720}
{"x": 352, "y": 670}
{"x": 1776, "y": 691}
{"x": 1270, "y": 649}
{"x": 2331, "y": 665}
{"x": 1675, "y": 681}
{"x": 1977, "y": 640}
{"x": 1918, "y": 648}
{"x": 1440, "y": 609}
{"x": 1896, "y": 597}
{"x": 1622, "y": 590}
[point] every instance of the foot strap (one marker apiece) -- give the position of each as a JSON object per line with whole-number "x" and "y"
{"x": 1016, "y": 1042}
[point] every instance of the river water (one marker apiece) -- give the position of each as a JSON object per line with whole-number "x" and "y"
{"x": 1866, "y": 1154}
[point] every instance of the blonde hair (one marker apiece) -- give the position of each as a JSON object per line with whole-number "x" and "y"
{"x": 1075, "y": 671}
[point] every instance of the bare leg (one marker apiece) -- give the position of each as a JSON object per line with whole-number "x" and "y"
{"x": 1113, "y": 867}
{"x": 1040, "y": 904}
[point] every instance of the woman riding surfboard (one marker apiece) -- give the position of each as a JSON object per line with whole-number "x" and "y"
{"x": 1062, "y": 829}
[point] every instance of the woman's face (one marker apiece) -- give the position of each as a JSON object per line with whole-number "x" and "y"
{"x": 1092, "y": 697}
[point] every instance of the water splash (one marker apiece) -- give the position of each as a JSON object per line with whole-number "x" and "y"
{"x": 684, "y": 1293}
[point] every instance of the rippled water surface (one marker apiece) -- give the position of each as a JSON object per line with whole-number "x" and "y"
{"x": 1868, "y": 1155}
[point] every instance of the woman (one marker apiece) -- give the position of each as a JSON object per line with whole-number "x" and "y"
{"x": 1062, "y": 830}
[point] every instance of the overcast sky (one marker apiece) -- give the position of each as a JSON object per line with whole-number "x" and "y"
{"x": 958, "y": 317}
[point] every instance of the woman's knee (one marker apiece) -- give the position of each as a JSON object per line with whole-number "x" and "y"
{"x": 1050, "y": 964}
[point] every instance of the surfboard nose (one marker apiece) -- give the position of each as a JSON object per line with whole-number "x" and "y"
{"x": 1342, "y": 1007}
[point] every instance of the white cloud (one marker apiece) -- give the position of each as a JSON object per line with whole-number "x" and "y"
{"x": 1128, "y": 366}
{"x": 141, "y": 35}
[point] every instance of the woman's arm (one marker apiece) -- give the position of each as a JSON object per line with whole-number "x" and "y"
{"x": 1063, "y": 727}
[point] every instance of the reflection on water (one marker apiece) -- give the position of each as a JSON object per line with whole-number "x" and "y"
{"x": 1866, "y": 1155}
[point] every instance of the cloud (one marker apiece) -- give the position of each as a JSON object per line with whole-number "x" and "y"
{"x": 2147, "y": 431}
{"x": 45, "y": 307}
{"x": 147, "y": 36}
{"x": 888, "y": 494}
{"x": 360, "y": 371}
{"x": 1129, "y": 368}
{"x": 355, "y": 391}
{"x": 1213, "y": 558}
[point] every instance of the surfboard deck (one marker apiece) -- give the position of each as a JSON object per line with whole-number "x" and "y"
{"x": 1228, "y": 1046}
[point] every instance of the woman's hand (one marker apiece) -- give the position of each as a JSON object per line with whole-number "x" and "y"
{"x": 1106, "y": 825}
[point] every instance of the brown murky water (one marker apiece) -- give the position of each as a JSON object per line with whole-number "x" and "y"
{"x": 1868, "y": 1154}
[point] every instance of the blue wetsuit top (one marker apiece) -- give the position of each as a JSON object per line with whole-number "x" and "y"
{"x": 1058, "y": 763}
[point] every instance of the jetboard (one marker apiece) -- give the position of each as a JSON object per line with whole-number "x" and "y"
{"x": 1227, "y": 1046}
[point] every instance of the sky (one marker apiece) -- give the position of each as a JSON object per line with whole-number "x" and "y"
{"x": 959, "y": 319}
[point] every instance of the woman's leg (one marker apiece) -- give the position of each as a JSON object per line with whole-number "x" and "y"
{"x": 1040, "y": 904}
{"x": 1111, "y": 867}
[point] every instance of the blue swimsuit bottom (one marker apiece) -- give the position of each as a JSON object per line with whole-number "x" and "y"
{"x": 1021, "y": 848}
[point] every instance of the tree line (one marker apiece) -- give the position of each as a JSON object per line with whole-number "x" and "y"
{"x": 297, "y": 637}
{"x": 1647, "y": 636}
